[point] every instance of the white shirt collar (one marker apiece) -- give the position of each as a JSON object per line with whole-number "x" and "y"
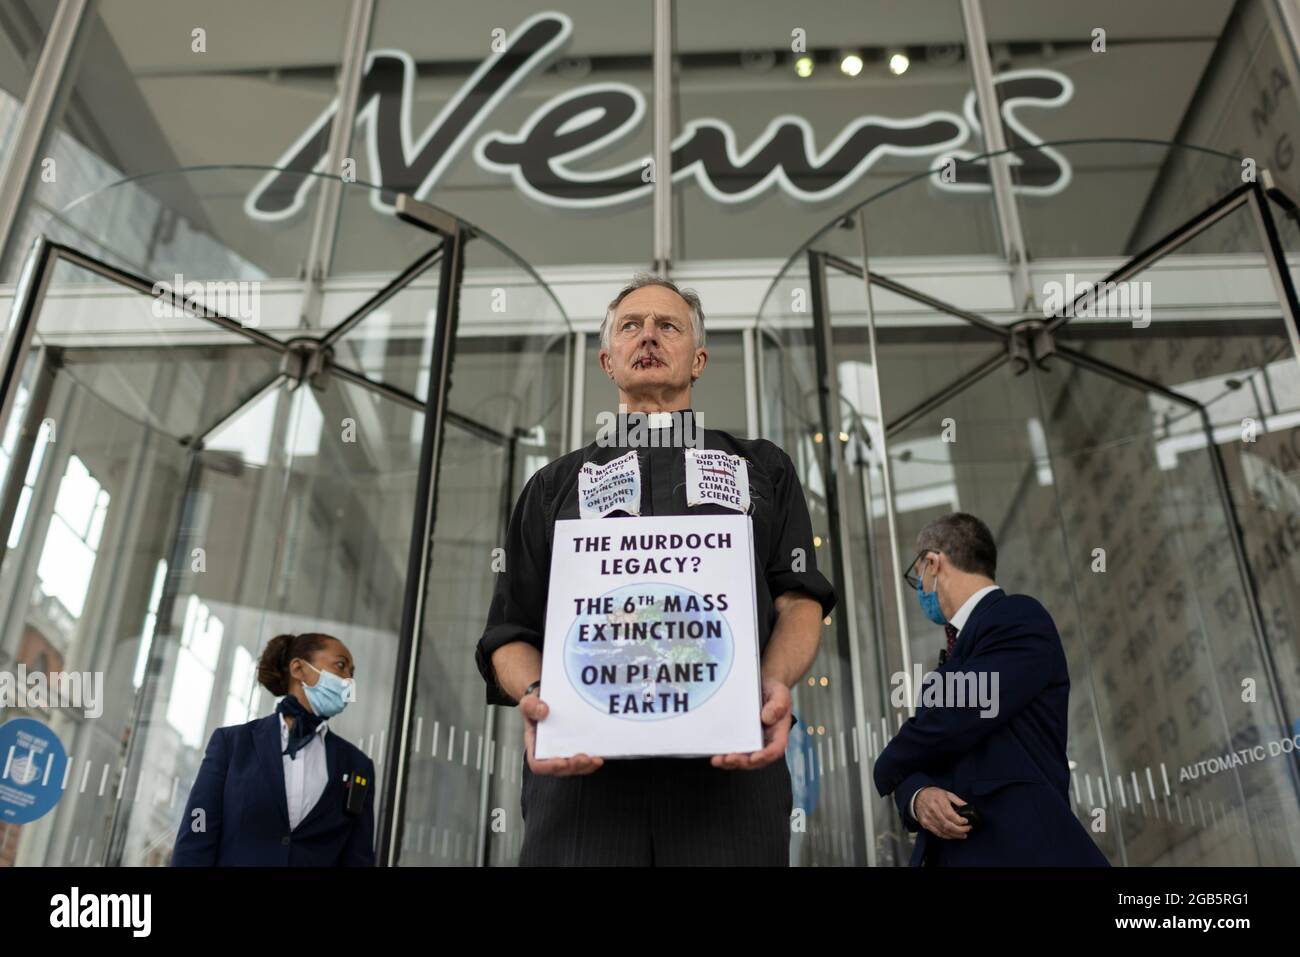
{"x": 959, "y": 620}
{"x": 284, "y": 730}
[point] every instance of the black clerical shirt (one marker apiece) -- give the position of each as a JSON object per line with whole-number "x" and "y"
{"x": 782, "y": 527}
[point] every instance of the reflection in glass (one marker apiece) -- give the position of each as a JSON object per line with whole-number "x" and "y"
{"x": 1136, "y": 469}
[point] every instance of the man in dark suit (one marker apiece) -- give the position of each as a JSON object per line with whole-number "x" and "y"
{"x": 1007, "y": 761}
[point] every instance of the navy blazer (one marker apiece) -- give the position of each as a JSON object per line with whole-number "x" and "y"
{"x": 240, "y": 787}
{"x": 1010, "y": 767}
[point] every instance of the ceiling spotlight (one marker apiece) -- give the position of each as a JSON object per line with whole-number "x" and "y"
{"x": 850, "y": 63}
{"x": 803, "y": 66}
{"x": 898, "y": 64}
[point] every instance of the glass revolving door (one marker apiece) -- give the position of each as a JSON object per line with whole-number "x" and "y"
{"x": 1126, "y": 432}
{"x": 207, "y": 442}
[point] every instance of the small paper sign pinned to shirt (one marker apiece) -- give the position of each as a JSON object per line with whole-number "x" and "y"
{"x": 612, "y": 487}
{"x": 717, "y": 478}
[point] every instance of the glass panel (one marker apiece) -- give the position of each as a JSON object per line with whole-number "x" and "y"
{"x": 506, "y": 417}
{"x": 93, "y": 538}
{"x": 1171, "y": 668}
{"x": 511, "y": 339}
{"x": 824, "y": 759}
{"x": 1120, "y": 197}
{"x": 1172, "y": 646}
{"x": 787, "y": 363}
{"x": 22, "y": 37}
{"x": 1161, "y": 47}
{"x": 192, "y": 230}
{"x": 249, "y": 504}
{"x": 922, "y": 352}
{"x": 1213, "y": 335}
{"x": 1214, "y": 78}
{"x": 854, "y": 438}
{"x": 981, "y": 451}
{"x": 1216, "y": 101}
{"x": 234, "y": 505}
{"x": 300, "y": 506}
{"x": 1288, "y": 229}
{"x": 860, "y": 654}
{"x": 146, "y": 68}
{"x": 452, "y": 748}
{"x": 393, "y": 343}
{"x": 365, "y": 242}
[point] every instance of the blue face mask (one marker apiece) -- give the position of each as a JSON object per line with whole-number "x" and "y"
{"x": 930, "y": 601}
{"x": 330, "y": 694}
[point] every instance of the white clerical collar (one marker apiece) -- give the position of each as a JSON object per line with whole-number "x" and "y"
{"x": 958, "y": 620}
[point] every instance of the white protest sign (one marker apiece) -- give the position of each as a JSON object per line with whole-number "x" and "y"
{"x": 614, "y": 486}
{"x": 717, "y": 478}
{"x": 651, "y": 641}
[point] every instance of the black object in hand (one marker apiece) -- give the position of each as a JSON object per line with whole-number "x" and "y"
{"x": 971, "y": 815}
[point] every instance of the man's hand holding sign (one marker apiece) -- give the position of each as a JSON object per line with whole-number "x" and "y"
{"x": 801, "y": 615}
{"x": 534, "y": 709}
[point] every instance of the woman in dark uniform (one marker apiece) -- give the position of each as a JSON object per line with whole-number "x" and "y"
{"x": 282, "y": 790}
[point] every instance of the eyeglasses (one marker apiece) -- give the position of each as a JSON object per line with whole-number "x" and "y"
{"x": 913, "y": 580}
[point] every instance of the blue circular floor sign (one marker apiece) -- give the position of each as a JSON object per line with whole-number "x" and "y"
{"x": 32, "y": 766}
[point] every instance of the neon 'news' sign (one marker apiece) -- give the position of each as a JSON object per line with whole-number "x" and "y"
{"x": 539, "y": 157}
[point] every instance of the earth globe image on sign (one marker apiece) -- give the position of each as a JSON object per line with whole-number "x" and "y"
{"x": 659, "y": 651}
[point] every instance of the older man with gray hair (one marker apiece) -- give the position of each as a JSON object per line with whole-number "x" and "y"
{"x": 727, "y": 809}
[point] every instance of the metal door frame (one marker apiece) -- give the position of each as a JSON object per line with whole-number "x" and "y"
{"x": 1029, "y": 342}
{"x": 304, "y": 358}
